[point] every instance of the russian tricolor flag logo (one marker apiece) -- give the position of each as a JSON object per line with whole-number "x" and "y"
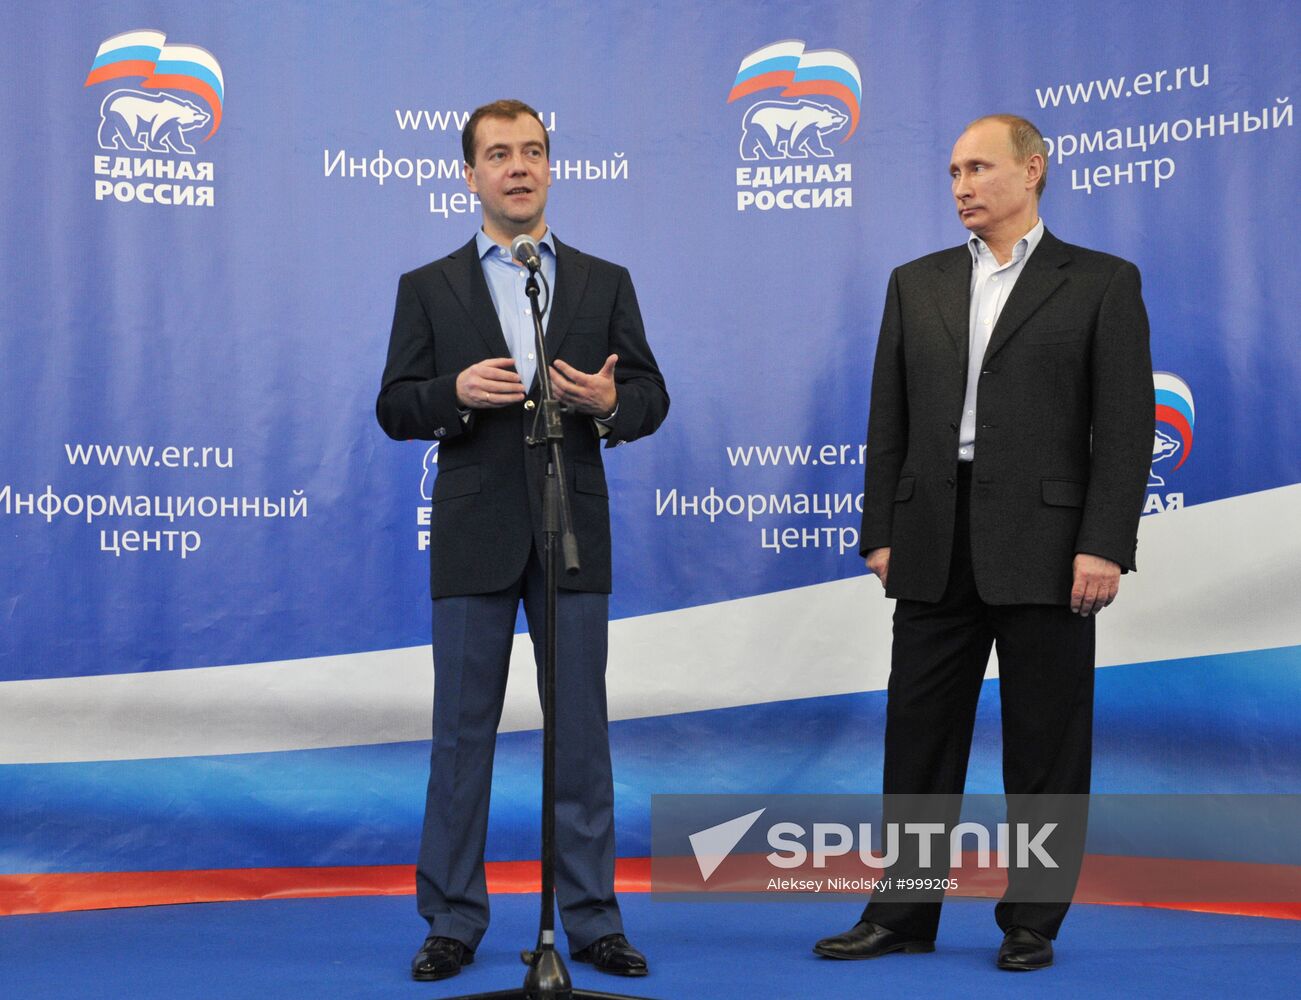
{"x": 1174, "y": 407}
{"x": 146, "y": 53}
{"x": 786, "y": 64}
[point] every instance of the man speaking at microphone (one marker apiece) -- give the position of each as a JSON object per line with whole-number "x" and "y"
{"x": 461, "y": 370}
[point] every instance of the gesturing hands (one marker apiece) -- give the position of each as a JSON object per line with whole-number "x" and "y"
{"x": 594, "y": 395}
{"x": 494, "y": 383}
{"x": 489, "y": 385}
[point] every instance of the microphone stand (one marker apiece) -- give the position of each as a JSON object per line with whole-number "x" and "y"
{"x": 547, "y": 978}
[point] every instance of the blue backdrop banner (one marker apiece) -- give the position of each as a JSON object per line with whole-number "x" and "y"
{"x": 214, "y": 611}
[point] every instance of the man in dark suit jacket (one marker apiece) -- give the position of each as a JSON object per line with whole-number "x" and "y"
{"x": 461, "y": 340}
{"x": 1007, "y": 456}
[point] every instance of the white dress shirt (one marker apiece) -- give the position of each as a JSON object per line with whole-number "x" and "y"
{"x": 991, "y": 284}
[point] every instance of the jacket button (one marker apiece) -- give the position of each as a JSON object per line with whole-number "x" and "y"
{"x": 953, "y": 425}
{"x": 950, "y": 482}
{"x": 529, "y": 405}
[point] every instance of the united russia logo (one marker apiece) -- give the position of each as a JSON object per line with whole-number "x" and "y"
{"x": 818, "y": 102}
{"x": 181, "y": 102}
{"x": 796, "y": 128}
{"x": 187, "y": 68}
{"x": 1175, "y": 419}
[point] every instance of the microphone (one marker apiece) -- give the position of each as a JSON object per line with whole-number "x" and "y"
{"x": 524, "y": 249}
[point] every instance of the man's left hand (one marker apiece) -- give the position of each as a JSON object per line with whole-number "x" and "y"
{"x": 1097, "y": 581}
{"x": 594, "y": 395}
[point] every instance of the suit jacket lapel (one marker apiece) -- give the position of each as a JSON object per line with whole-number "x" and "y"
{"x": 471, "y": 289}
{"x": 1041, "y": 277}
{"x": 571, "y": 283}
{"x": 953, "y": 293}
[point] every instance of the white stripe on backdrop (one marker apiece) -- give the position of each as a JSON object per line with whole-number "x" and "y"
{"x": 1215, "y": 578}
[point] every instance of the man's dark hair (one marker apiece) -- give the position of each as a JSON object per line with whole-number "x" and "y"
{"x": 498, "y": 109}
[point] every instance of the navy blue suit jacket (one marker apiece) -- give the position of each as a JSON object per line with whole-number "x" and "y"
{"x": 487, "y": 496}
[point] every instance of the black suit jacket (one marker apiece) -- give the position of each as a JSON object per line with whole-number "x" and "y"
{"x": 487, "y": 496}
{"x": 1064, "y": 439}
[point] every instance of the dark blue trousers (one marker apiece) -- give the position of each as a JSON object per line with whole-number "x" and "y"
{"x": 472, "y": 639}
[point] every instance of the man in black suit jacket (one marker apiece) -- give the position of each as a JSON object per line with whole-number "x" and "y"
{"x": 457, "y": 348}
{"x": 1007, "y": 456}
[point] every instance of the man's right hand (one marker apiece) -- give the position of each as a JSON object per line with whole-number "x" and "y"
{"x": 878, "y": 562}
{"x": 489, "y": 385}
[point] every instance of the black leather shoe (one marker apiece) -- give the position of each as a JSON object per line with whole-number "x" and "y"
{"x": 612, "y": 954}
{"x": 869, "y": 940}
{"x": 1025, "y": 950}
{"x": 439, "y": 958}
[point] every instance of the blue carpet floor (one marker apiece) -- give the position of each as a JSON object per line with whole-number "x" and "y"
{"x": 359, "y": 948}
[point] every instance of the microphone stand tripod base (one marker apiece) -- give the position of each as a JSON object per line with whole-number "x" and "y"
{"x": 547, "y": 979}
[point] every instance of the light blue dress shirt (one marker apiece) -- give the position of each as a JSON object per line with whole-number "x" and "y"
{"x": 506, "y": 280}
{"x": 991, "y": 284}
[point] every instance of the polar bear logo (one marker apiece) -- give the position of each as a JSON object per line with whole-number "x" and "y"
{"x": 789, "y": 130}
{"x": 1163, "y": 447}
{"x": 148, "y": 123}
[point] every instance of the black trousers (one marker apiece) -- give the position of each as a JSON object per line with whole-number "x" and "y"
{"x": 1046, "y": 663}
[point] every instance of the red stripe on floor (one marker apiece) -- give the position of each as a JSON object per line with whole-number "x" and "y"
{"x": 55, "y": 892}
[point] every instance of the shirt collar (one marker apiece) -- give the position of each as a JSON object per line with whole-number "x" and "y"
{"x": 1025, "y": 246}
{"x": 485, "y": 245}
